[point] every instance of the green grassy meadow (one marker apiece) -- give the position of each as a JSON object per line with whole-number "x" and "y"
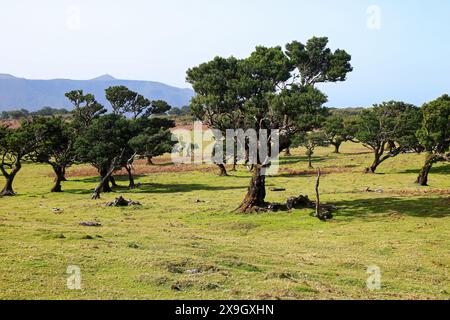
{"x": 185, "y": 242}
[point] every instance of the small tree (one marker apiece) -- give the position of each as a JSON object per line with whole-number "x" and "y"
{"x": 337, "y": 131}
{"x": 175, "y": 112}
{"x": 153, "y": 138}
{"x": 104, "y": 144}
{"x": 85, "y": 109}
{"x": 216, "y": 103}
{"x": 57, "y": 147}
{"x": 388, "y": 129}
{"x": 124, "y": 100}
{"x": 158, "y": 107}
{"x": 185, "y": 110}
{"x": 434, "y": 134}
{"x": 272, "y": 89}
{"x": 15, "y": 145}
{"x": 311, "y": 141}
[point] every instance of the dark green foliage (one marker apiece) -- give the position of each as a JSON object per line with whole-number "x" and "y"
{"x": 174, "y": 112}
{"x": 388, "y": 129}
{"x": 85, "y": 109}
{"x": 57, "y": 147}
{"x": 434, "y": 134}
{"x": 123, "y": 100}
{"x": 337, "y": 130}
{"x": 271, "y": 89}
{"x": 15, "y": 145}
{"x": 49, "y": 111}
{"x": 23, "y": 113}
{"x": 158, "y": 107}
{"x": 183, "y": 111}
{"x": 299, "y": 109}
{"x": 346, "y": 113}
{"x": 316, "y": 63}
{"x": 105, "y": 141}
{"x": 215, "y": 85}
{"x": 152, "y": 137}
{"x": 15, "y": 114}
{"x": 111, "y": 142}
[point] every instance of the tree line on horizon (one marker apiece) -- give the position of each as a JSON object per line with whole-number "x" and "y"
{"x": 22, "y": 113}
{"x": 19, "y": 114}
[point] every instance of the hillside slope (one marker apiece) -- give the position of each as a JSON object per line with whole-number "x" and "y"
{"x": 18, "y": 93}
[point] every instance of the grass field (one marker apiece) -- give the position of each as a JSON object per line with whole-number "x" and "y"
{"x": 185, "y": 242}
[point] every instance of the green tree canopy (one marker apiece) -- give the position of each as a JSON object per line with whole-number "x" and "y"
{"x": 316, "y": 63}
{"x": 434, "y": 134}
{"x": 270, "y": 89}
{"x": 104, "y": 144}
{"x": 56, "y": 148}
{"x": 85, "y": 109}
{"x": 15, "y": 145}
{"x": 338, "y": 130}
{"x": 388, "y": 129}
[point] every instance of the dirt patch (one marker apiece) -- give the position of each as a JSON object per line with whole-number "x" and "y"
{"x": 141, "y": 167}
{"x": 13, "y": 124}
{"x": 324, "y": 171}
{"x": 421, "y": 192}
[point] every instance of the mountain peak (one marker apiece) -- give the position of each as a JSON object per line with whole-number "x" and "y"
{"x": 105, "y": 77}
{"x": 6, "y": 76}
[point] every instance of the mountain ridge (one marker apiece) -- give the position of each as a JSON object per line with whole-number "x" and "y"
{"x": 33, "y": 94}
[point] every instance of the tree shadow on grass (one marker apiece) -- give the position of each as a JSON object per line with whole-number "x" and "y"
{"x": 298, "y": 159}
{"x": 343, "y": 153}
{"x": 96, "y": 179}
{"x": 181, "y": 188}
{"x": 442, "y": 169}
{"x": 313, "y": 171}
{"x": 156, "y": 188}
{"x": 416, "y": 207}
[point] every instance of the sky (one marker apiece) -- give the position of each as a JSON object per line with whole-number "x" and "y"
{"x": 400, "y": 48}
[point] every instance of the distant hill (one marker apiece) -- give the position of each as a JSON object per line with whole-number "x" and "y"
{"x": 17, "y": 93}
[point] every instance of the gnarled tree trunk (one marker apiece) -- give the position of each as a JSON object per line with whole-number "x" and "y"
{"x": 223, "y": 171}
{"x": 337, "y": 146}
{"x": 422, "y": 179}
{"x": 287, "y": 152}
{"x": 105, "y": 179}
{"x": 130, "y": 177}
{"x": 106, "y": 174}
{"x": 375, "y": 164}
{"x": 60, "y": 172}
{"x": 256, "y": 193}
{"x": 380, "y": 156}
{"x": 8, "y": 188}
{"x": 64, "y": 174}
{"x": 103, "y": 186}
{"x": 310, "y": 166}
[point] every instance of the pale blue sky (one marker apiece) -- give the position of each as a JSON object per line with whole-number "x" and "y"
{"x": 408, "y": 58}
